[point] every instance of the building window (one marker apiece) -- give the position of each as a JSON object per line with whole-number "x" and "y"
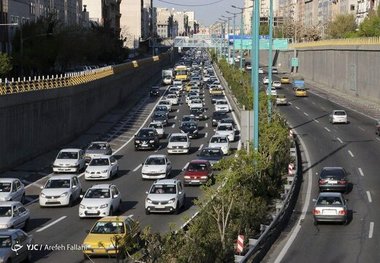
{"x": 352, "y": 7}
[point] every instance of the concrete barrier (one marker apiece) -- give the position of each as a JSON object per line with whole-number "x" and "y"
{"x": 34, "y": 122}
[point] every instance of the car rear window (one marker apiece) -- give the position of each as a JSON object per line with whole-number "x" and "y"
{"x": 341, "y": 113}
{"x": 333, "y": 173}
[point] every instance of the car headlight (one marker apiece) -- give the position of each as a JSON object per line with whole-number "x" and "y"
{"x": 148, "y": 201}
{"x": 86, "y": 246}
{"x": 43, "y": 195}
{"x": 104, "y": 206}
{"x": 104, "y": 171}
{"x": 2, "y": 226}
{"x": 64, "y": 194}
{"x": 82, "y": 206}
{"x": 171, "y": 201}
{"x": 196, "y": 131}
{"x": 151, "y": 141}
{"x": 137, "y": 141}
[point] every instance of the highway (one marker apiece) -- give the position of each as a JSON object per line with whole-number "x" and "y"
{"x": 356, "y": 148}
{"x": 62, "y": 226}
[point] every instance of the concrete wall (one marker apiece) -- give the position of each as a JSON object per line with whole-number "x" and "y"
{"x": 32, "y": 123}
{"x": 349, "y": 69}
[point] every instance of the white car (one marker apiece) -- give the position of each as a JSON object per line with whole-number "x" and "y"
{"x": 173, "y": 98}
{"x": 156, "y": 166}
{"x": 338, "y": 116}
{"x": 261, "y": 71}
{"x": 190, "y": 97}
{"x": 166, "y": 196}
{"x": 178, "y": 83}
{"x": 281, "y": 99}
{"x": 166, "y": 103}
{"x": 13, "y": 215}
{"x": 12, "y": 189}
{"x": 206, "y": 78}
{"x": 277, "y": 84}
{"x": 220, "y": 141}
{"x": 222, "y": 105}
{"x": 175, "y": 90}
{"x": 100, "y": 200}
{"x": 265, "y": 80}
{"x": 101, "y": 167}
{"x": 196, "y": 103}
{"x": 97, "y": 148}
{"x": 69, "y": 161}
{"x": 60, "y": 190}
{"x": 274, "y": 70}
{"x": 178, "y": 143}
{"x": 226, "y": 129}
{"x": 167, "y": 80}
{"x": 195, "y": 89}
{"x": 159, "y": 128}
{"x": 272, "y": 92}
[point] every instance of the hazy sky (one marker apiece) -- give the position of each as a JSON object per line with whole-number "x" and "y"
{"x": 206, "y": 11}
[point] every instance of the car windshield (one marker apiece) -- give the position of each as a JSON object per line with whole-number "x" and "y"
{"x": 178, "y": 139}
{"x": 5, "y": 241}
{"x": 103, "y": 227}
{"x": 5, "y": 211}
{"x": 163, "y": 189}
{"x": 329, "y": 200}
{"x": 159, "y": 115}
{"x": 155, "y": 125}
{"x": 58, "y": 183}
{"x": 5, "y": 187}
{"x": 163, "y": 102}
{"x": 218, "y": 140}
{"x": 189, "y": 125}
{"x": 97, "y": 146}
{"x": 187, "y": 118}
{"x": 97, "y": 193}
{"x": 99, "y": 162}
{"x": 193, "y": 167}
{"x": 225, "y": 128}
{"x": 221, "y": 102}
{"x": 146, "y": 133}
{"x": 155, "y": 161}
{"x": 340, "y": 113}
{"x": 67, "y": 155}
{"x": 333, "y": 173}
{"x": 210, "y": 152}
{"x": 219, "y": 114}
{"x": 161, "y": 108}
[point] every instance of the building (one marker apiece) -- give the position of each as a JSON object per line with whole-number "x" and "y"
{"x": 164, "y": 22}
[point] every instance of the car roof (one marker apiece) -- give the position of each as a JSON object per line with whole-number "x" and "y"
{"x": 9, "y": 231}
{"x": 99, "y": 142}
{"x": 101, "y": 156}
{"x": 120, "y": 218}
{"x": 101, "y": 186}
{"x": 166, "y": 181}
{"x": 62, "y": 176}
{"x": 8, "y": 180}
{"x": 225, "y": 124}
{"x": 70, "y": 150}
{"x": 218, "y": 135}
{"x": 179, "y": 134}
{"x": 339, "y": 111}
{"x": 332, "y": 168}
{"x": 329, "y": 194}
{"x": 9, "y": 203}
{"x": 199, "y": 161}
{"x": 157, "y": 156}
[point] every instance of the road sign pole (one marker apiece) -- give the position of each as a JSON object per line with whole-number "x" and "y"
{"x": 270, "y": 60}
{"x": 241, "y": 41}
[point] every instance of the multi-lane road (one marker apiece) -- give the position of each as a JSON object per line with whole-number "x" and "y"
{"x": 61, "y": 226}
{"x": 356, "y": 148}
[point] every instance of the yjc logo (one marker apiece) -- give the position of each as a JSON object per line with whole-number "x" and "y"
{"x": 16, "y": 247}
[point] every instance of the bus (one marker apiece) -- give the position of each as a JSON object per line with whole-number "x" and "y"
{"x": 181, "y": 73}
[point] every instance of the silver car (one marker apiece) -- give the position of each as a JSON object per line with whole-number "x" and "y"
{"x": 156, "y": 166}
{"x": 13, "y": 215}
{"x": 101, "y": 167}
{"x": 14, "y": 246}
{"x": 330, "y": 207}
{"x": 12, "y": 189}
{"x": 69, "y": 161}
{"x": 97, "y": 148}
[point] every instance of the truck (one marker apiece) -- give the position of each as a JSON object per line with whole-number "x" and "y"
{"x": 298, "y": 82}
{"x": 167, "y": 76}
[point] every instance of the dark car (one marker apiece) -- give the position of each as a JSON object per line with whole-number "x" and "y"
{"x": 190, "y": 127}
{"x": 333, "y": 179}
{"x": 160, "y": 116}
{"x": 228, "y": 120}
{"x": 147, "y": 138}
{"x": 213, "y": 155}
{"x": 162, "y": 108}
{"x": 155, "y": 91}
{"x": 198, "y": 112}
{"x": 218, "y": 116}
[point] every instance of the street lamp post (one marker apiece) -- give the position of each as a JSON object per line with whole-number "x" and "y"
{"x": 223, "y": 21}
{"x": 269, "y": 95}
{"x": 233, "y": 37}
{"x": 228, "y": 33}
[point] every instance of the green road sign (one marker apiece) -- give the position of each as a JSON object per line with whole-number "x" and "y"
{"x": 294, "y": 62}
{"x": 278, "y": 44}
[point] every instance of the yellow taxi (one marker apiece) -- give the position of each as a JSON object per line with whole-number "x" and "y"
{"x": 216, "y": 91}
{"x": 300, "y": 92}
{"x": 285, "y": 80}
{"x": 109, "y": 234}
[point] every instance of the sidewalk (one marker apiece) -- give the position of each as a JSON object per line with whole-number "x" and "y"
{"x": 358, "y": 104}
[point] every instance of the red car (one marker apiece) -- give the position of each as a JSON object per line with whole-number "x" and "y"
{"x": 198, "y": 172}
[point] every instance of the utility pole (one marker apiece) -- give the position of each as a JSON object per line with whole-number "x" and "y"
{"x": 270, "y": 61}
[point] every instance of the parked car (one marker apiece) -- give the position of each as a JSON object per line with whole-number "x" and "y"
{"x": 281, "y": 99}
{"x": 100, "y": 200}
{"x": 338, "y": 116}
{"x": 14, "y": 245}
{"x": 178, "y": 143}
{"x": 102, "y": 167}
{"x": 167, "y": 195}
{"x": 156, "y": 166}
{"x": 220, "y": 141}
{"x": 13, "y": 215}
{"x": 333, "y": 179}
{"x": 159, "y": 128}
{"x": 190, "y": 128}
{"x": 69, "y": 161}
{"x": 213, "y": 155}
{"x": 226, "y": 129}
{"x": 60, "y": 190}
{"x": 12, "y": 189}
{"x": 100, "y": 240}
{"x": 330, "y": 207}
{"x": 198, "y": 172}
{"x": 97, "y": 148}
{"x": 147, "y": 138}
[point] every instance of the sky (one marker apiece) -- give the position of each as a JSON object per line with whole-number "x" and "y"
{"x": 206, "y": 12}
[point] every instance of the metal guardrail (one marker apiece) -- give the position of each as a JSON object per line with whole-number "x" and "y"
{"x": 19, "y": 85}
{"x": 338, "y": 42}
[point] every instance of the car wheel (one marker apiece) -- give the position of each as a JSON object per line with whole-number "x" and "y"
{"x": 70, "y": 204}
{"x": 22, "y": 199}
{"x": 177, "y": 208}
{"x": 29, "y": 258}
{"x": 26, "y": 224}
{"x": 119, "y": 206}
{"x": 110, "y": 213}
{"x": 147, "y": 212}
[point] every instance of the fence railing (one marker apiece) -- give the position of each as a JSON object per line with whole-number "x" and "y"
{"x": 338, "y": 42}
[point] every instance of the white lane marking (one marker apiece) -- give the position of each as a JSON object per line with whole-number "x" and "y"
{"x": 31, "y": 202}
{"x": 175, "y": 117}
{"x": 327, "y": 129}
{"x": 297, "y": 107}
{"x": 317, "y": 121}
{"x": 352, "y": 155}
{"x": 378, "y": 139}
{"x": 361, "y": 171}
{"x": 206, "y": 134}
{"x": 184, "y": 168}
{"x": 177, "y": 110}
{"x": 371, "y": 226}
{"x": 79, "y": 176}
{"x": 313, "y": 102}
{"x": 361, "y": 128}
{"x": 206, "y": 125}
{"x": 159, "y": 148}
{"x": 138, "y": 167}
{"x": 52, "y": 223}
{"x": 339, "y": 140}
{"x": 305, "y": 208}
{"x": 173, "y": 125}
{"x": 306, "y": 114}
{"x": 369, "y": 196}
{"x": 200, "y": 147}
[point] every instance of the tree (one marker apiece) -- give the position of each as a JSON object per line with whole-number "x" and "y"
{"x": 5, "y": 64}
{"x": 370, "y": 27}
{"x": 341, "y": 26}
